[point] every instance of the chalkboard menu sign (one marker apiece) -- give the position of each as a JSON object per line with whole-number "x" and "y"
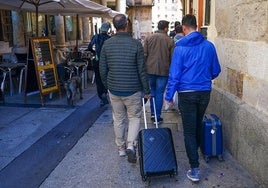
{"x": 41, "y": 69}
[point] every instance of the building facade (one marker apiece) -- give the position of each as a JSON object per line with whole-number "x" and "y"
{"x": 140, "y": 17}
{"x": 170, "y": 10}
{"x": 239, "y": 30}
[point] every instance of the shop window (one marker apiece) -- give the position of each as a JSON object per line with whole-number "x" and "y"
{"x": 6, "y": 28}
{"x": 52, "y": 25}
{"x": 207, "y": 12}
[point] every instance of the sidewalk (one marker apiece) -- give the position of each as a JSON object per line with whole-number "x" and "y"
{"x": 21, "y": 125}
{"x": 94, "y": 162}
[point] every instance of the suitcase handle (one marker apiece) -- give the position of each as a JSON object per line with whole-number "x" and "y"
{"x": 144, "y": 113}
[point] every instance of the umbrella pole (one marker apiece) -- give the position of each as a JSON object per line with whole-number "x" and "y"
{"x": 36, "y": 20}
{"x": 77, "y": 31}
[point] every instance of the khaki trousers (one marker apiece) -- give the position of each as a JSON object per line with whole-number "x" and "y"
{"x": 126, "y": 115}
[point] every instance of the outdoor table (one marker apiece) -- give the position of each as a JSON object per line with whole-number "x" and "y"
{"x": 8, "y": 67}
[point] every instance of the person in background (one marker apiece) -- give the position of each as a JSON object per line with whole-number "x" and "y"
{"x": 123, "y": 72}
{"x": 179, "y": 33}
{"x": 61, "y": 63}
{"x": 95, "y": 47}
{"x": 194, "y": 65}
{"x": 173, "y": 32}
{"x": 158, "y": 49}
{"x": 60, "y": 58}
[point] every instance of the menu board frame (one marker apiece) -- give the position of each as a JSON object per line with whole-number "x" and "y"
{"x": 41, "y": 59}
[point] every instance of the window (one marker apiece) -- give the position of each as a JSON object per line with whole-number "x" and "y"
{"x": 6, "y": 28}
{"x": 207, "y": 12}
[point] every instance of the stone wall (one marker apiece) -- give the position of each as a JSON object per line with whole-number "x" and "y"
{"x": 4, "y": 47}
{"x": 242, "y": 100}
{"x": 245, "y": 132}
{"x": 242, "y": 46}
{"x": 144, "y": 17}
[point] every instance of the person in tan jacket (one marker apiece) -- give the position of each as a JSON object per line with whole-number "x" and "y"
{"x": 158, "y": 50}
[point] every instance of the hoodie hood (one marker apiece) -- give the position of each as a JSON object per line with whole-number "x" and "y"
{"x": 192, "y": 39}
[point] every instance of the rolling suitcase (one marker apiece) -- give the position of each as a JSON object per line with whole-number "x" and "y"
{"x": 211, "y": 137}
{"x": 156, "y": 151}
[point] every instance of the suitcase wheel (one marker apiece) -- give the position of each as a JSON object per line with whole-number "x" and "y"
{"x": 206, "y": 157}
{"x": 220, "y": 158}
{"x": 171, "y": 175}
{"x": 144, "y": 178}
{"x": 147, "y": 181}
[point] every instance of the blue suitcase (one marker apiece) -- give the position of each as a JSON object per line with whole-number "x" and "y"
{"x": 156, "y": 152}
{"x": 211, "y": 137}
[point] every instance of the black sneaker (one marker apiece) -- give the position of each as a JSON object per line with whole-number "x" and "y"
{"x": 152, "y": 117}
{"x": 159, "y": 121}
{"x": 131, "y": 155}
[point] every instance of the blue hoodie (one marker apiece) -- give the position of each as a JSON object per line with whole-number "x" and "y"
{"x": 194, "y": 64}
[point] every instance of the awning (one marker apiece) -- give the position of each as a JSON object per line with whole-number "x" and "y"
{"x": 59, "y": 7}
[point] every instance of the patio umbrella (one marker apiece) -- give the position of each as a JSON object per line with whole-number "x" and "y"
{"x": 58, "y": 7}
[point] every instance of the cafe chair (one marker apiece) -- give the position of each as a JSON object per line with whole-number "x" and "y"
{"x": 80, "y": 67}
{"x": 21, "y": 58}
{"x": 3, "y": 75}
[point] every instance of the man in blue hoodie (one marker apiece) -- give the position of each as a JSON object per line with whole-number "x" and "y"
{"x": 194, "y": 65}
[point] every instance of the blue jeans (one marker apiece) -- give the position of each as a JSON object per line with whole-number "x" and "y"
{"x": 157, "y": 89}
{"x": 192, "y": 106}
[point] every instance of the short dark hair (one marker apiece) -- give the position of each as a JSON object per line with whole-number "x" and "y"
{"x": 120, "y": 21}
{"x": 189, "y": 20}
{"x": 162, "y": 24}
{"x": 178, "y": 29}
{"x": 177, "y": 23}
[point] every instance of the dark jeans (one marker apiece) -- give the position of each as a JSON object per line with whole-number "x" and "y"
{"x": 100, "y": 87}
{"x": 192, "y": 106}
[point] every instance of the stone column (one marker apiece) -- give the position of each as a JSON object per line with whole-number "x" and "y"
{"x": 212, "y": 31}
{"x": 18, "y": 29}
{"x": 104, "y": 2}
{"x": 86, "y": 30}
{"x": 91, "y": 28}
{"x": 121, "y": 6}
{"x": 60, "y": 34}
{"x": 74, "y": 27}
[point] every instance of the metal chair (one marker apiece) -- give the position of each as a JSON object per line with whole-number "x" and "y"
{"x": 2, "y": 79}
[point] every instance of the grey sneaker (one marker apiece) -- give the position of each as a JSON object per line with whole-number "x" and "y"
{"x": 122, "y": 151}
{"x": 131, "y": 154}
{"x": 193, "y": 174}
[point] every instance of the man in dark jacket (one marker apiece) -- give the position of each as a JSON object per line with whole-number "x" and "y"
{"x": 97, "y": 42}
{"x": 194, "y": 65}
{"x": 158, "y": 49}
{"x": 123, "y": 72}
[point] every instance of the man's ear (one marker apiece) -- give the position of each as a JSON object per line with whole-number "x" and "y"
{"x": 184, "y": 29}
{"x": 166, "y": 29}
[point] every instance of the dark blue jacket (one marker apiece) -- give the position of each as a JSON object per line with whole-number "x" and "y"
{"x": 97, "y": 41}
{"x": 194, "y": 64}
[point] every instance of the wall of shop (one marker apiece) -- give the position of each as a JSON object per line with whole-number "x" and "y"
{"x": 240, "y": 96}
